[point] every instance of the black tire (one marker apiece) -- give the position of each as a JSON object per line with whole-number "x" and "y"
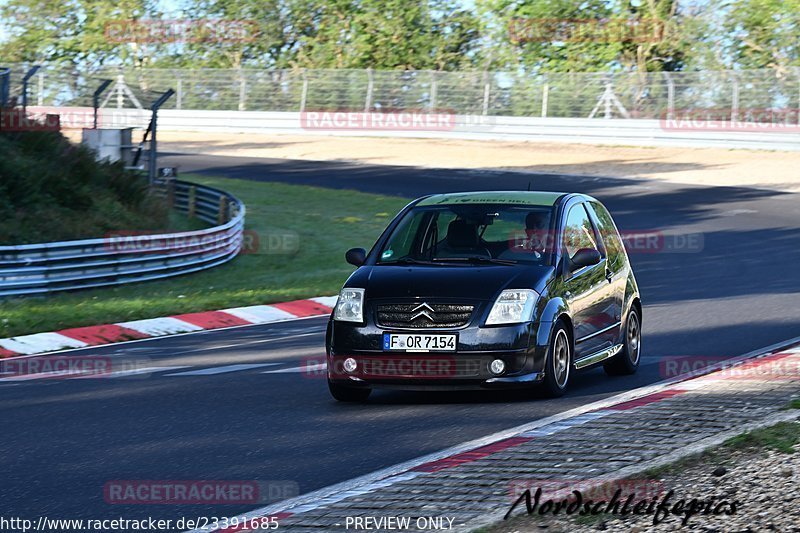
{"x": 558, "y": 366}
{"x": 627, "y": 360}
{"x": 343, "y": 393}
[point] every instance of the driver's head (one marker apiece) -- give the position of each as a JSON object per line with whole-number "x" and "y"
{"x": 536, "y": 221}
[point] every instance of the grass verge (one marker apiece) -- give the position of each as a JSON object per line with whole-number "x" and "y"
{"x": 297, "y": 236}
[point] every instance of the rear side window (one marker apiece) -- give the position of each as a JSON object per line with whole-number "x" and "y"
{"x": 578, "y": 231}
{"x": 608, "y": 231}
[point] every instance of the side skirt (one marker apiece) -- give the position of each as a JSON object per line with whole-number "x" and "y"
{"x": 608, "y": 353}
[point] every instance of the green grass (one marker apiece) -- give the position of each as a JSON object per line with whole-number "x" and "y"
{"x": 52, "y": 190}
{"x": 317, "y": 225}
{"x": 781, "y": 437}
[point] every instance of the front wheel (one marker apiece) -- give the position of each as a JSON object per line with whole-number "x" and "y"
{"x": 343, "y": 393}
{"x": 558, "y": 364}
{"x": 627, "y": 361}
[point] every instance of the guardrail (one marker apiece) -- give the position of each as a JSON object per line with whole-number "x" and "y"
{"x": 126, "y": 257}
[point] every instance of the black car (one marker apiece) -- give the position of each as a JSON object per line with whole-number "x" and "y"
{"x": 486, "y": 290}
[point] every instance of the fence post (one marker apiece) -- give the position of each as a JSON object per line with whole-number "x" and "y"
{"x": 434, "y": 90}
{"x": 179, "y": 102}
{"x": 486, "y": 89}
{"x": 191, "y": 207}
{"x": 242, "y": 91}
{"x": 797, "y": 73}
{"x": 304, "y": 92}
{"x": 735, "y": 100}
{"x": 40, "y": 95}
{"x": 223, "y": 203}
{"x": 545, "y": 98}
{"x": 670, "y": 96}
{"x": 370, "y": 81}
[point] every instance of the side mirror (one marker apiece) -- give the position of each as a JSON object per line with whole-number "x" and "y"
{"x": 585, "y": 257}
{"x": 356, "y": 256}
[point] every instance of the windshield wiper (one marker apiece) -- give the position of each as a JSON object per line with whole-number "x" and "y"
{"x": 406, "y": 261}
{"x": 476, "y": 259}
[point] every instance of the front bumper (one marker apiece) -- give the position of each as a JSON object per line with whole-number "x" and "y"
{"x": 465, "y": 369}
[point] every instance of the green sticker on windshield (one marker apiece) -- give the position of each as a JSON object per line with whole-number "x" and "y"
{"x": 387, "y": 254}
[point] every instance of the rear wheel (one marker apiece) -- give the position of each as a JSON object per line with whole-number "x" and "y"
{"x": 559, "y": 363}
{"x": 627, "y": 361}
{"x": 343, "y": 393}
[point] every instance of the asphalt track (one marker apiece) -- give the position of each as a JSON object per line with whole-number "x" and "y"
{"x": 62, "y": 440}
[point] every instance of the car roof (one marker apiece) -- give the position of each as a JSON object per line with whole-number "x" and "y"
{"x": 545, "y": 199}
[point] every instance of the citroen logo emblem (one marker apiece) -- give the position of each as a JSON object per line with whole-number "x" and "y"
{"x": 421, "y": 310}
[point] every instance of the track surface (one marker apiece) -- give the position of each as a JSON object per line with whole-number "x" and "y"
{"x": 64, "y": 439}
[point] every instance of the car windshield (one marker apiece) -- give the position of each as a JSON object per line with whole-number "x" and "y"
{"x": 476, "y": 233}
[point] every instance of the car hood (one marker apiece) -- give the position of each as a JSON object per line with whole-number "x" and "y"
{"x": 444, "y": 281}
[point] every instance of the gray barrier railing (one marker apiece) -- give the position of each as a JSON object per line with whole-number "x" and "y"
{"x": 125, "y": 257}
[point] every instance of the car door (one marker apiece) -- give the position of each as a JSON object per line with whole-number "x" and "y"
{"x": 587, "y": 290}
{"x": 617, "y": 262}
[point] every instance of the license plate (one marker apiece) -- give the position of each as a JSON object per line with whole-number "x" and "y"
{"x": 418, "y": 342}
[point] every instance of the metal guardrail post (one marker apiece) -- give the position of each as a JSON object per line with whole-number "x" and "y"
{"x": 171, "y": 192}
{"x": 221, "y": 210}
{"x": 25, "y": 79}
{"x": 192, "y": 202}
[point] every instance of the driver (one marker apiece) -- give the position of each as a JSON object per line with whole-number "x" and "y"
{"x": 536, "y": 227}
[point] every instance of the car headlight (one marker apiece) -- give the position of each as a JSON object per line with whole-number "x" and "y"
{"x": 513, "y": 306}
{"x": 350, "y": 306}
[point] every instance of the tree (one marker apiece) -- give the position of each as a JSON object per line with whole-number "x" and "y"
{"x": 73, "y": 32}
{"x": 762, "y": 34}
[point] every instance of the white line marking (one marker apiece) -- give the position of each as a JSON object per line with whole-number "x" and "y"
{"x": 314, "y": 367}
{"x": 250, "y": 343}
{"x": 221, "y": 369}
{"x": 133, "y": 372}
{"x": 48, "y": 375}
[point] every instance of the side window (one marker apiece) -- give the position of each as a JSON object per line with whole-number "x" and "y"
{"x": 578, "y": 231}
{"x": 608, "y": 231}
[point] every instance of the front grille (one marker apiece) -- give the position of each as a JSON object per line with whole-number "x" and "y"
{"x": 423, "y": 315}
